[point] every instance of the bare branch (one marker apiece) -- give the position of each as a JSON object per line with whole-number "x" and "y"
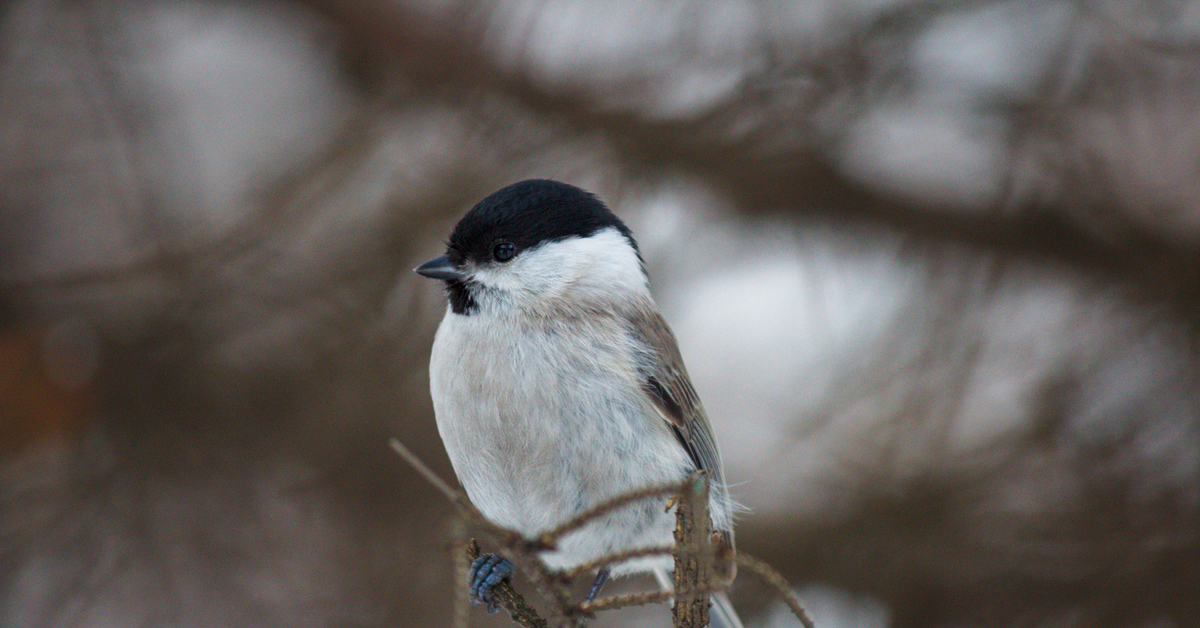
{"x": 551, "y": 537}
{"x": 433, "y": 478}
{"x": 520, "y": 610}
{"x": 613, "y": 602}
{"x": 776, "y": 581}
{"x": 618, "y": 557}
{"x": 698, "y": 557}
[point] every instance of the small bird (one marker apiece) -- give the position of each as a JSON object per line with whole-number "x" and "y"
{"x": 557, "y": 384}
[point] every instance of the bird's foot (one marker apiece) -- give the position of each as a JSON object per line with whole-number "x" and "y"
{"x": 601, "y": 578}
{"x": 486, "y": 572}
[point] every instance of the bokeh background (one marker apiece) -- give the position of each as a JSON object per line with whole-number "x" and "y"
{"x": 934, "y": 266}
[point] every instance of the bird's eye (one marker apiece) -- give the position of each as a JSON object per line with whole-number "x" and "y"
{"x": 504, "y": 251}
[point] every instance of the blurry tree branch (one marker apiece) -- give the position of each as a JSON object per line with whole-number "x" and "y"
{"x": 285, "y": 203}
{"x": 779, "y": 584}
{"x": 273, "y": 309}
{"x": 387, "y": 39}
{"x": 756, "y": 147}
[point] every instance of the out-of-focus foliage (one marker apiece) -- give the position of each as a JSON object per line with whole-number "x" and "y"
{"x": 933, "y": 266}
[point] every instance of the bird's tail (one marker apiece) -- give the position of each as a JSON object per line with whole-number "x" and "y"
{"x": 721, "y": 615}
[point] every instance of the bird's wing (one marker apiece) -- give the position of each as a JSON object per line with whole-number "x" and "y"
{"x": 666, "y": 382}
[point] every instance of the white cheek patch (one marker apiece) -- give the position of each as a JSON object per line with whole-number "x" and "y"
{"x": 613, "y": 264}
{"x": 597, "y": 266}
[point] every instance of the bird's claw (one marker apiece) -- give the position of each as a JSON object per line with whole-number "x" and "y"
{"x": 486, "y": 572}
{"x": 601, "y": 578}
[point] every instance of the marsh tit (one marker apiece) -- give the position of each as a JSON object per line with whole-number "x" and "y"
{"x": 557, "y": 384}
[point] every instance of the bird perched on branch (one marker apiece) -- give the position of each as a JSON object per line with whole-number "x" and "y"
{"x": 557, "y": 384}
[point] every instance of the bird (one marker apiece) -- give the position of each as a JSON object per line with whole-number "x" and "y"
{"x": 557, "y": 384}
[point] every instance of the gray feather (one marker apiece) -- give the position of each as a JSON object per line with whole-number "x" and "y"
{"x": 666, "y": 382}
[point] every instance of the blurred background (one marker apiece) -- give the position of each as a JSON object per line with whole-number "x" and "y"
{"x": 934, "y": 267}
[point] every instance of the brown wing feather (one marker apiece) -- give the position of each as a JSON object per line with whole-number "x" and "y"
{"x": 666, "y": 382}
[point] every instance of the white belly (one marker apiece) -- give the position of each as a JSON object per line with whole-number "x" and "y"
{"x": 538, "y": 434}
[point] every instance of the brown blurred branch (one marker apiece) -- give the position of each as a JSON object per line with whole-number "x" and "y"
{"x": 442, "y": 55}
{"x": 285, "y": 203}
{"x": 777, "y": 582}
{"x": 392, "y": 40}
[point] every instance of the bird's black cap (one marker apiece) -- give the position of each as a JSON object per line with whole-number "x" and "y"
{"x": 527, "y": 214}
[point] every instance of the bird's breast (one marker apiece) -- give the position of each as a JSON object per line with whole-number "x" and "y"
{"x": 546, "y": 418}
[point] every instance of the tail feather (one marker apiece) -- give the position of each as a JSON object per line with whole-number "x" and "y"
{"x": 721, "y": 615}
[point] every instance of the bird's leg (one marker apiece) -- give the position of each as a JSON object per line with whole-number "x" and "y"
{"x": 486, "y": 572}
{"x": 601, "y": 578}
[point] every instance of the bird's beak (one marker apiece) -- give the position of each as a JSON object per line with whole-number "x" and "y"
{"x": 439, "y": 268}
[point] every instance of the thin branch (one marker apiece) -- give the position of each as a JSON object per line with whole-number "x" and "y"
{"x": 697, "y": 554}
{"x": 618, "y": 557}
{"x": 613, "y": 602}
{"x": 777, "y": 582}
{"x": 578, "y": 521}
{"x": 430, "y": 476}
{"x": 638, "y": 599}
{"x": 520, "y": 610}
{"x": 549, "y": 584}
{"x": 519, "y": 550}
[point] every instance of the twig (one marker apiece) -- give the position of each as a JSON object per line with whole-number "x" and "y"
{"x": 551, "y": 537}
{"x": 621, "y": 601}
{"x": 520, "y": 610}
{"x": 776, "y": 581}
{"x": 619, "y": 557}
{"x": 696, "y": 551}
{"x": 433, "y": 478}
{"x": 551, "y": 585}
{"x": 638, "y": 599}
